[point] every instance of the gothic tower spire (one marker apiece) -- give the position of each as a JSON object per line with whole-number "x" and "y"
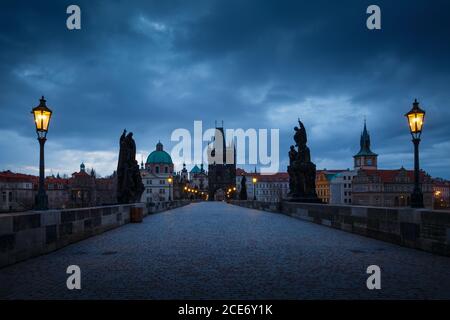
{"x": 365, "y": 158}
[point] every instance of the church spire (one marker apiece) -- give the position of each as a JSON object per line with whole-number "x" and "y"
{"x": 365, "y": 158}
{"x": 365, "y": 139}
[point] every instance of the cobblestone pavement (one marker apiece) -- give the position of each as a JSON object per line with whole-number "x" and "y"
{"x": 219, "y": 251}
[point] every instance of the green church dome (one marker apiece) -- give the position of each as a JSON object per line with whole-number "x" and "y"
{"x": 159, "y": 155}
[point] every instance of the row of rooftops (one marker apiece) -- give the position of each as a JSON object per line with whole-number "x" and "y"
{"x": 386, "y": 176}
{"x": 14, "y": 177}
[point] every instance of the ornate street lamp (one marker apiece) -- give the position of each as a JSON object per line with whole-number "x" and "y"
{"x": 254, "y": 180}
{"x": 415, "y": 120}
{"x": 170, "y": 180}
{"x": 42, "y": 115}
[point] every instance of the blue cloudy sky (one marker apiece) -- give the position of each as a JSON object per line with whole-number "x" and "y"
{"x": 154, "y": 66}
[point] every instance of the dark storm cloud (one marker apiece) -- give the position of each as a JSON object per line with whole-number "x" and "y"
{"x": 153, "y": 66}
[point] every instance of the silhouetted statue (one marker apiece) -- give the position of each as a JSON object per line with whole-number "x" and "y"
{"x": 302, "y": 172}
{"x": 243, "y": 193}
{"x": 129, "y": 181}
{"x": 292, "y": 155}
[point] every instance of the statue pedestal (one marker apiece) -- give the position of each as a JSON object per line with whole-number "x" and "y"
{"x": 302, "y": 176}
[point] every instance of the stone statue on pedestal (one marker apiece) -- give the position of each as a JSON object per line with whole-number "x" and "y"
{"x": 302, "y": 172}
{"x": 129, "y": 181}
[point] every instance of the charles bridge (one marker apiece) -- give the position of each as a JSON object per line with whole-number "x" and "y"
{"x": 294, "y": 249}
{"x": 219, "y": 250}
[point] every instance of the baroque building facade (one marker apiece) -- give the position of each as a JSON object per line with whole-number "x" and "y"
{"x": 389, "y": 188}
{"x": 82, "y": 189}
{"x": 324, "y": 179}
{"x": 17, "y": 191}
{"x": 341, "y": 187}
{"x": 155, "y": 176}
{"x": 268, "y": 187}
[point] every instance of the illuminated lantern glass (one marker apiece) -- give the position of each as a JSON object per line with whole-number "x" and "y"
{"x": 415, "y": 120}
{"x": 42, "y": 115}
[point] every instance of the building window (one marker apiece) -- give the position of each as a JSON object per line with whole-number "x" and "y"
{"x": 166, "y": 170}
{"x": 157, "y": 169}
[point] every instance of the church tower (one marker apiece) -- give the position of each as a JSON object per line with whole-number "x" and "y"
{"x": 365, "y": 158}
{"x": 184, "y": 173}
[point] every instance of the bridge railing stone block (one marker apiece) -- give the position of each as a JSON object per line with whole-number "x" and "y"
{"x": 51, "y": 217}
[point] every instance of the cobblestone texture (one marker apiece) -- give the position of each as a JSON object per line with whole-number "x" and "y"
{"x": 220, "y": 251}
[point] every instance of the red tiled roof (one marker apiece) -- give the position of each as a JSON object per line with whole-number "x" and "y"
{"x": 280, "y": 177}
{"x": 388, "y": 176}
{"x": 269, "y": 177}
{"x": 80, "y": 174}
{"x": 9, "y": 176}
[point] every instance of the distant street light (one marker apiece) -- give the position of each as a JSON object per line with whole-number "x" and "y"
{"x": 42, "y": 115}
{"x": 170, "y": 180}
{"x": 415, "y": 120}
{"x": 254, "y": 180}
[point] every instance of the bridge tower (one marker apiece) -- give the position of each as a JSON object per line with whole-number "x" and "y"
{"x": 221, "y": 165}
